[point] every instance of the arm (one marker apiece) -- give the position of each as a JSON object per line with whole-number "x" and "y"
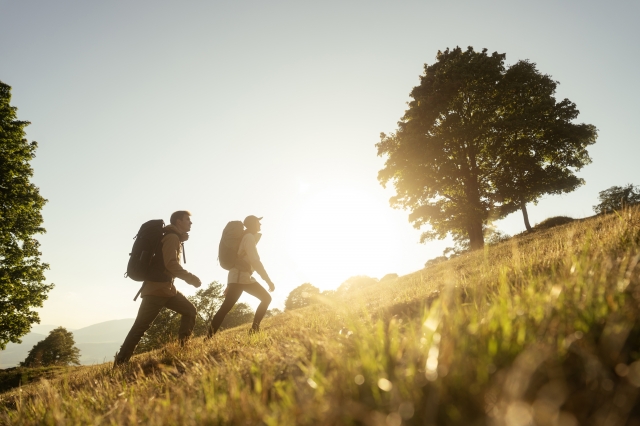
{"x": 170, "y": 256}
{"x": 254, "y": 259}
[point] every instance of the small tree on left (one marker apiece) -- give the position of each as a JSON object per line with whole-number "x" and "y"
{"x": 22, "y": 286}
{"x": 58, "y": 348}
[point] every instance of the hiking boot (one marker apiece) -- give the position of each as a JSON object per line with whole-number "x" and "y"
{"x": 254, "y": 329}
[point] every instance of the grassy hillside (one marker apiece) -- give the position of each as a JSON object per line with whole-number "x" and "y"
{"x": 542, "y": 329}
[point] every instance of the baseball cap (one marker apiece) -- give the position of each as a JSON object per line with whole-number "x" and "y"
{"x": 250, "y": 219}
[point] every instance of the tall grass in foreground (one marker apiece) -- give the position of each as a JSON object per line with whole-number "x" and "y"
{"x": 542, "y": 329}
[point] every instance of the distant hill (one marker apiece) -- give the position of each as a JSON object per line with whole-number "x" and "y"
{"x": 109, "y": 331}
{"x": 15, "y": 353}
{"x": 97, "y": 342}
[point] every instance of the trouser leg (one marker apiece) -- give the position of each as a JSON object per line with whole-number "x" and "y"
{"x": 232, "y": 296}
{"x": 258, "y": 291}
{"x": 187, "y": 311}
{"x": 148, "y": 311}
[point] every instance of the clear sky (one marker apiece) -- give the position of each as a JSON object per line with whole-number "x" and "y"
{"x": 231, "y": 108}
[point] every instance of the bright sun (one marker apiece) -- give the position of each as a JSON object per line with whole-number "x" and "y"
{"x": 340, "y": 233}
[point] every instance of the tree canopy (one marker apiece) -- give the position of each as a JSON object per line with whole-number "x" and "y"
{"x": 58, "y": 348}
{"x": 538, "y": 147}
{"x": 22, "y": 277}
{"x": 617, "y": 198}
{"x": 478, "y": 142}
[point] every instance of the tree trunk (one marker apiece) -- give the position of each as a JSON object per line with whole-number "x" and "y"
{"x": 476, "y": 239}
{"x": 523, "y": 206}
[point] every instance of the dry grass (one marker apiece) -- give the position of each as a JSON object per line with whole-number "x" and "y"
{"x": 542, "y": 329}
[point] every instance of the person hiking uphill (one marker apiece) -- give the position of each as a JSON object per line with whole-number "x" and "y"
{"x": 162, "y": 293}
{"x": 240, "y": 278}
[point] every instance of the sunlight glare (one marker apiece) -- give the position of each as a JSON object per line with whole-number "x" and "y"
{"x": 340, "y": 233}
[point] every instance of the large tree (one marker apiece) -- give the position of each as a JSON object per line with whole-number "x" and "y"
{"x": 22, "y": 277}
{"x": 453, "y": 157}
{"x": 58, "y": 348}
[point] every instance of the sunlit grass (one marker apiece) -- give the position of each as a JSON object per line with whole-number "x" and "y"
{"x": 542, "y": 329}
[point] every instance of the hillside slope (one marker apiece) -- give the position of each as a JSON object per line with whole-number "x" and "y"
{"x": 542, "y": 329}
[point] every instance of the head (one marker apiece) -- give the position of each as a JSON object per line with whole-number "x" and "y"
{"x": 252, "y": 223}
{"x": 181, "y": 220}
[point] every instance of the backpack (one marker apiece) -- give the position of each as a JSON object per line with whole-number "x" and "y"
{"x": 146, "y": 243}
{"x": 229, "y": 245}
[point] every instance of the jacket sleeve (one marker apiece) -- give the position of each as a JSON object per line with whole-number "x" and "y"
{"x": 171, "y": 256}
{"x": 254, "y": 259}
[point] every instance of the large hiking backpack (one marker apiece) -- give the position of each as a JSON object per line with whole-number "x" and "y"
{"x": 145, "y": 246}
{"x": 229, "y": 245}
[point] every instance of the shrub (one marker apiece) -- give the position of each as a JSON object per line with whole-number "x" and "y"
{"x": 357, "y": 282}
{"x": 435, "y": 261}
{"x": 553, "y": 222}
{"x": 301, "y": 296}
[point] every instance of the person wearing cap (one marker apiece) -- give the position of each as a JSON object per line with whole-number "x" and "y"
{"x": 239, "y": 280}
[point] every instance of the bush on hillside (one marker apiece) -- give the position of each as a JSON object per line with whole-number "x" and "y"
{"x": 461, "y": 246}
{"x": 435, "y": 261}
{"x": 497, "y": 237}
{"x": 301, "y": 296}
{"x": 617, "y": 198}
{"x": 240, "y": 314}
{"x": 553, "y": 222}
{"x": 356, "y": 282}
{"x": 273, "y": 312}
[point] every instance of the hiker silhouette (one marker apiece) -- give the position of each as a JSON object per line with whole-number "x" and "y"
{"x": 158, "y": 290}
{"x": 241, "y": 268}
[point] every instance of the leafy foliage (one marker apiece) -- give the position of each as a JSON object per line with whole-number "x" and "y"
{"x": 478, "y": 142}
{"x": 617, "y": 198}
{"x": 241, "y": 313}
{"x": 58, "y": 348}
{"x": 273, "y": 312}
{"x": 537, "y": 146}
{"x": 166, "y": 325}
{"x": 553, "y": 222}
{"x": 497, "y": 236}
{"x": 21, "y": 272}
{"x": 301, "y": 296}
{"x": 164, "y": 329}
